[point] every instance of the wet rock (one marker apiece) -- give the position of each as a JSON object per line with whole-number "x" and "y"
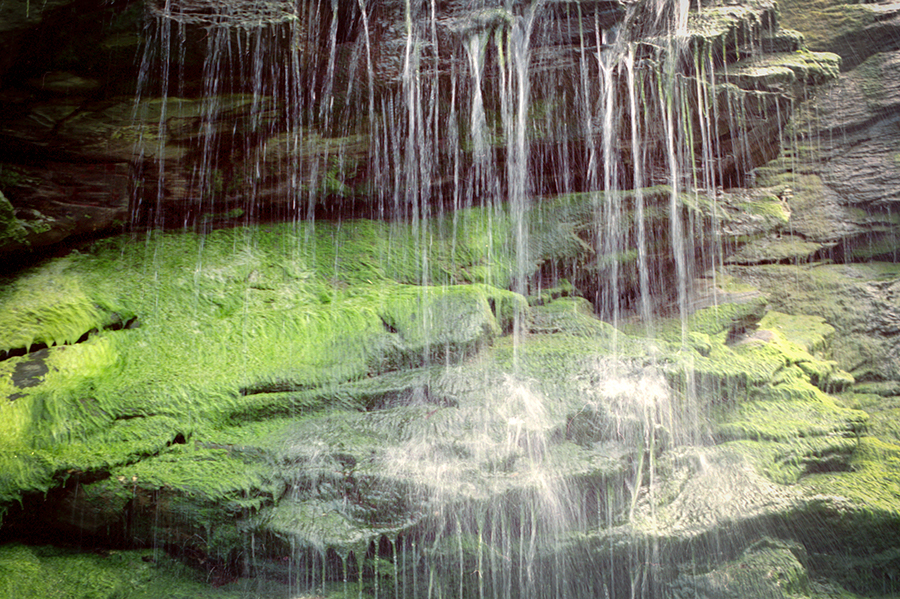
{"x": 856, "y": 299}
{"x": 862, "y": 168}
{"x": 63, "y": 202}
{"x": 787, "y": 73}
{"x": 787, "y": 248}
{"x": 17, "y": 19}
{"x": 30, "y": 372}
{"x": 854, "y": 31}
{"x": 65, "y": 84}
{"x": 841, "y": 181}
{"x": 768, "y": 568}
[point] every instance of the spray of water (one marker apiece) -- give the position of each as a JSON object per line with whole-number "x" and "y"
{"x": 454, "y": 118}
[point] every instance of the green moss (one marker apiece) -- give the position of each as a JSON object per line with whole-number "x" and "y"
{"x": 824, "y": 22}
{"x": 146, "y": 574}
{"x": 321, "y": 526}
{"x": 873, "y": 481}
{"x": 11, "y": 230}
{"x": 25, "y": 573}
{"x": 268, "y": 375}
{"x": 768, "y": 568}
{"x": 768, "y": 206}
{"x": 721, "y": 22}
{"x": 212, "y": 473}
{"x": 23, "y": 472}
{"x": 767, "y": 250}
{"x": 810, "y": 68}
{"x": 811, "y": 333}
{"x": 858, "y": 508}
{"x": 765, "y": 77}
{"x": 58, "y": 406}
{"x": 790, "y": 410}
{"x": 880, "y": 245}
{"x": 730, "y": 317}
{"x": 50, "y": 306}
{"x": 845, "y": 296}
{"x": 791, "y": 403}
{"x": 228, "y": 326}
{"x": 568, "y": 315}
{"x": 125, "y": 441}
{"x": 884, "y": 414}
{"x": 882, "y": 388}
{"x": 795, "y": 428}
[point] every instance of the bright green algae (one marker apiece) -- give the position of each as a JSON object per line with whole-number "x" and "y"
{"x": 220, "y": 321}
{"x": 143, "y": 574}
{"x": 262, "y": 362}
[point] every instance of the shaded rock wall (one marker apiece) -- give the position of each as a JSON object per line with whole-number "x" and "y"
{"x": 339, "y": 111}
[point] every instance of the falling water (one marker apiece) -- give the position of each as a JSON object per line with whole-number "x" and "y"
{"x": 301, "y": 118}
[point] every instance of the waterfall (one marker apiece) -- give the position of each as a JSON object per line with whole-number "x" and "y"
{"x": 427, "y": 299}
{"x": 452, "y": 121}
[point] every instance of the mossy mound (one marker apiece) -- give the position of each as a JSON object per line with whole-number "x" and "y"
{"x": 179, "y": 331}
{"x": 785, "y": 72}
{"x": 851, "y": 30}
{"x": 768, "y": 568}
{"x": 326, "y": 396}
{"x": 44, "y": 571}
{"x": 786, "y": 249}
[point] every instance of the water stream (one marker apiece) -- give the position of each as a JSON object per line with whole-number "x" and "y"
{"x": 324, "y": 111}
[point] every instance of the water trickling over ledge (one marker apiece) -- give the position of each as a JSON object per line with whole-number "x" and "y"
{"x": 428, "y": 299}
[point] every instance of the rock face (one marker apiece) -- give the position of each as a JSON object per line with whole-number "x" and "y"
{"x": 620, "y": 320}
{"x": 383, "y": 112}
{"x": 839, "y": 176}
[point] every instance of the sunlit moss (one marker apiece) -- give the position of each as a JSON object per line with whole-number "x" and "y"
{"x": 252, "y": 321}
{"x": 825, "y": 22}
{"x": 844, "y": 296}
{"x": 268, "y": 372}
{"x": 50, "y": 306}
{"x": 782, "y": 70}
{"x": 872, "y": 481}
{"x": 569, "y": 315}
{"x": 857, "y": 509}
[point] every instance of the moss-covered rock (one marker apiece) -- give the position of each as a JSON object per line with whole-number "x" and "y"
{"x": 35, "y": 571}
{"x": 785, "y": 72}
{"x": 325, "y": 393}
{"x": 856, "y": 299}
{"x": 854, "y": 31}
{"x": 838, "y": 175}
{"x": 11, "y": 230}
{"x": 768, "y": 568}
{"x": 216, "y": 327}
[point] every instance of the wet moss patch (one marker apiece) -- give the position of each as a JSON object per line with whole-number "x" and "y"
{"x": 43, "y": 571}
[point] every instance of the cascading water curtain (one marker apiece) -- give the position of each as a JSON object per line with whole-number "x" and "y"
{"x": 467, "y": 114}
